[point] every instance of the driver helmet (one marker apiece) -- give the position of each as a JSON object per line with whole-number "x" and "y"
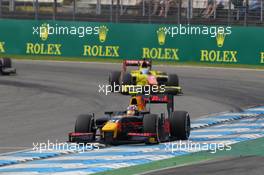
{"x": 131, "y": 110}
{"x": 145, "y": 71}
{"x": 144, "y": 64}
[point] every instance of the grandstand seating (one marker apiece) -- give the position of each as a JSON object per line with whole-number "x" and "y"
{"x": 181, "y": 11}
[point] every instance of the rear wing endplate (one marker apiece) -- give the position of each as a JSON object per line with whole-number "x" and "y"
{"x": 127, "y": 63}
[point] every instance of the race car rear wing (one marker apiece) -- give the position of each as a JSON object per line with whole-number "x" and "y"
{"x": 127, "y": 63}
{"x": 160, "y": 98}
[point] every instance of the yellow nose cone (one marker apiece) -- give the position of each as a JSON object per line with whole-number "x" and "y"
{"x": 110, "y": 127}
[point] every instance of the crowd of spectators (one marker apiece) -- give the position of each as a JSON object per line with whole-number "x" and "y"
{"x": 202, "y": 9}
{"x": 240, "y": 6}
{"x": 209, "y": 7}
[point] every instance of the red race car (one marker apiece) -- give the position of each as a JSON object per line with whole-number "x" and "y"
{"x": 134, "y": 125}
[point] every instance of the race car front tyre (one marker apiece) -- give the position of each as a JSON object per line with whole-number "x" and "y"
{"x": 151, "y": 125}
{"x": 84, "y": 123}
{"x": 173, "y": 80}
{"x": 114, "y": 78}
{"x": 180, "y": 125}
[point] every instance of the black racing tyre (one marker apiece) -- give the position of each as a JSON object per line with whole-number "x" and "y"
{"x": 151, "y": 124}
{"x": 173, "y": 80}
{"x": 84, "y": 123}
{"x": 126, "y": 79}
{"x": 180, "y": 125}
{"x": 114, "y": 78}
{"x": 6, "y": 63}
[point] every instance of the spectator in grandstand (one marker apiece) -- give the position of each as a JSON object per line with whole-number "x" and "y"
{"x": 156, "y": 6}
{"x": 164, "y": 6}
{"x": 237, "y": 3}
{"x": 254, "y": 9}
{"x": 239, "y": 7}
{"x": 209, "y": 10}
{"x": 255, "y": 5}
{"x": 211, "y": 7}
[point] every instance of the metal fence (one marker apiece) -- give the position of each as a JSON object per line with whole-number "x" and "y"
{"x": 236, "y": 12}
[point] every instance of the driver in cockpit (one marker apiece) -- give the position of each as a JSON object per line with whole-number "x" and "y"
{"x": 132, "y": 110}
{"x": 144, "y": 69}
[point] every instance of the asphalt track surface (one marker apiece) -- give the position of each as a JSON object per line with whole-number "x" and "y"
{"x": 42, "y": 102}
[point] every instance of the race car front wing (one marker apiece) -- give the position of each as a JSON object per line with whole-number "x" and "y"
{"x": 133, "y": 138}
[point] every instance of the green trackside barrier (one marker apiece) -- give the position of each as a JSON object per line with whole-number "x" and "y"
{"x": 207, "y": 44}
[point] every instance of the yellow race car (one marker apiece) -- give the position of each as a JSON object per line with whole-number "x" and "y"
{"x": 143, "y": 80}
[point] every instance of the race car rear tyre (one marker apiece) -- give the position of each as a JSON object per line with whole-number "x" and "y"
{"x": 180, "y": 125}
{"x": 173, "y": 80}
{"x": 151, "y": 125}
{"x": 126, "y": 80}
{"x": 114, "y": 78}
{"x": 84, "y": 123}
{"x": 6, "y": 63}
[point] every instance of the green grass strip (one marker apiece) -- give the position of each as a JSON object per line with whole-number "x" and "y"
{"x": 246, "y": 148}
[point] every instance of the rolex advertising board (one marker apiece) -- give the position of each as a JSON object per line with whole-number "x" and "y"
{"x": 177, "y": 43}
